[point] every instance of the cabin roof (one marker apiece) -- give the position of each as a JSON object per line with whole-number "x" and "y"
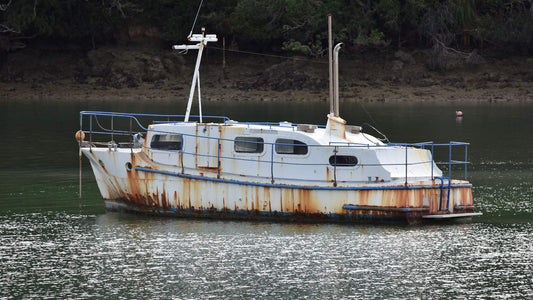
{"x": 318, "y": 134}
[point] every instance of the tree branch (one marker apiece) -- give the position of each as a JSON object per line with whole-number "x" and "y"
{"x": 5, "y": 29}
{"x": 448, "y": 48}
{"x": 3, "y": 7}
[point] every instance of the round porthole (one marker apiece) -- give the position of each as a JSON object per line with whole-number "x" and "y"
{"x": 343, "y": 160}
{"x": 129, "y": 166}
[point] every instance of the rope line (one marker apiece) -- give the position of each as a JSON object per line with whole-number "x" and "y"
{"x": 196, "y": 18}
{"x": 268, "y": 55}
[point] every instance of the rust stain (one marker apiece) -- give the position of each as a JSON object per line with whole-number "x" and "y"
{"x": 281, "y": 209}
{"x": 208, "y": 169}
{"x": 134, "y": 183}
{"x": 363, "y": 197}
{"x": 164, "y": 200}
{"x": 304, "y": 198}
{"x": 257, "y": 198}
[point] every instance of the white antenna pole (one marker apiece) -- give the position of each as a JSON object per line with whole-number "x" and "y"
{"x": 203, "y": 39}
{"x": 194, "y": 79}
{"x": 336, "y": 77}
{"x": 199, "y": 98}
{"x": 330, "y": 60}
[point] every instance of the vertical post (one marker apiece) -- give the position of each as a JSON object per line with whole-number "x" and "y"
{"x": 91, "y": 133}
{"x": 335, "y": 167}
{"x": 80, "y": 154}
{"x": 450, "y": 161}
{"x": 272, "y": 162}
{"x": 131, "y": 134}
{"x": 406, "y": 164}
{"x": 330, "y": 57}
{"x": 194, "y": 78}
{"x": 466, "y": 160}
{"x": 218, "y": 156}
{"x": 432, "y": 160}
{"x": 112, "y": 129}
{"x": 336, "y": 78}
{"x": 199, "y": 98}
{"x": 182, "y": 153}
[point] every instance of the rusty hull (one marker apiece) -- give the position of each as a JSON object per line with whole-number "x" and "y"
{"x": 145, "y": 188}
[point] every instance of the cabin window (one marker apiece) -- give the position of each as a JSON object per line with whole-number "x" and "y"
{"x": 287, "y": 146}
{"x": 166, "y": 142}
{"x": 343, "y": 160}
{"x": 245, "y": 144}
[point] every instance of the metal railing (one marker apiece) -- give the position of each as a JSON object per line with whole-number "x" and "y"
{"x": 97, "y": 127}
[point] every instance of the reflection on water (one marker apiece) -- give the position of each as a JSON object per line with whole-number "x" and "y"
{"x": 52, "y": 245}
{"x": 113, "y": 255}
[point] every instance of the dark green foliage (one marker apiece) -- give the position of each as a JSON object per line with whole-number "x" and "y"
{"x": 288, "y": 25}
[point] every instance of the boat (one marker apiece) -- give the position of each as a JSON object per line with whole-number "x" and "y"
{"x": 216, "y": 167}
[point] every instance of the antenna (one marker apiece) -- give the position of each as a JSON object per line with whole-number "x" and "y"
{"x": 195, "y": 18}
{"x": 203, "y": 39}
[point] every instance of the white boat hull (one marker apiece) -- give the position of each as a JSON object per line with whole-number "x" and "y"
{"x": 145, "y": 187}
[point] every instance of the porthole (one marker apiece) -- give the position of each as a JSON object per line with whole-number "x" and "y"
{"x": 129, "y": 166}
{"x": 343, "y": 160}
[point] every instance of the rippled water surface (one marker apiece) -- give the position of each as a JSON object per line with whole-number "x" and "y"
{"x": 52, "y": 245}
{"x": 112, "y": 255}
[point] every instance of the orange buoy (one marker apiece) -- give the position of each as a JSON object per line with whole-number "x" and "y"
{"x": 80, "y": 135}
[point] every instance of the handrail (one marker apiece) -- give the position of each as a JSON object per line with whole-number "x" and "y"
{"x": 336, "y": 147}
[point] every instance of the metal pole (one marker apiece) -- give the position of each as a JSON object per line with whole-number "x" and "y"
{"x": 218, "y": 156}
{"x": 330, "y": 57}
{"x": 80, "y": 154}
{"x": 466, "y": 160}
{"x": 336, "y": 78}
{"x": 199, "y": 98}
{"x": 112, "y": 129}
{"x": 406, "y": 165}
{"x": 131, "y": 134}
{"x": 450, "y": 162}
{"x": 194, "y": 78}
{"x": 335, "y": 167}
{"x": 432, "y": 160}
{"x": 182, "y": 153}
{"x": 91, "y": 133}
{"x": 272, "y": 162}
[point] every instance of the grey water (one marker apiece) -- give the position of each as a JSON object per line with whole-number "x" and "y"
{"x": 53, "y": 245}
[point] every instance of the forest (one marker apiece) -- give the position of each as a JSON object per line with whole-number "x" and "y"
{"x": 499, "y": 28}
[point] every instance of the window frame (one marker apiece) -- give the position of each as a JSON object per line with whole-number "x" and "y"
{"x": 166, "y": 145}
{"x": 347, "y": 164}
{"x": 295, "y": 144}
{"x": 246, "y": 140}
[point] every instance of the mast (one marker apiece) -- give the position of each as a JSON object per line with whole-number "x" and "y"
{"x": 336, "y": 77}
{"x": 333, "y": 72}
{"x": 203, "y": 39}
{"x": 330, "y": 58}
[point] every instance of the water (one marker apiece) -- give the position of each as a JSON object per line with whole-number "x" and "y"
{"x": 54, "y": 246}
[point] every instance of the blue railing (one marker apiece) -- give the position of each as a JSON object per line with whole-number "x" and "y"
{"x": 133, "y": 120}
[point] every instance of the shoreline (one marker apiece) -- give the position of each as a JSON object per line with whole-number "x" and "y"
{"x": 130, "y": 74}
{"x": 68, "y": 92}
